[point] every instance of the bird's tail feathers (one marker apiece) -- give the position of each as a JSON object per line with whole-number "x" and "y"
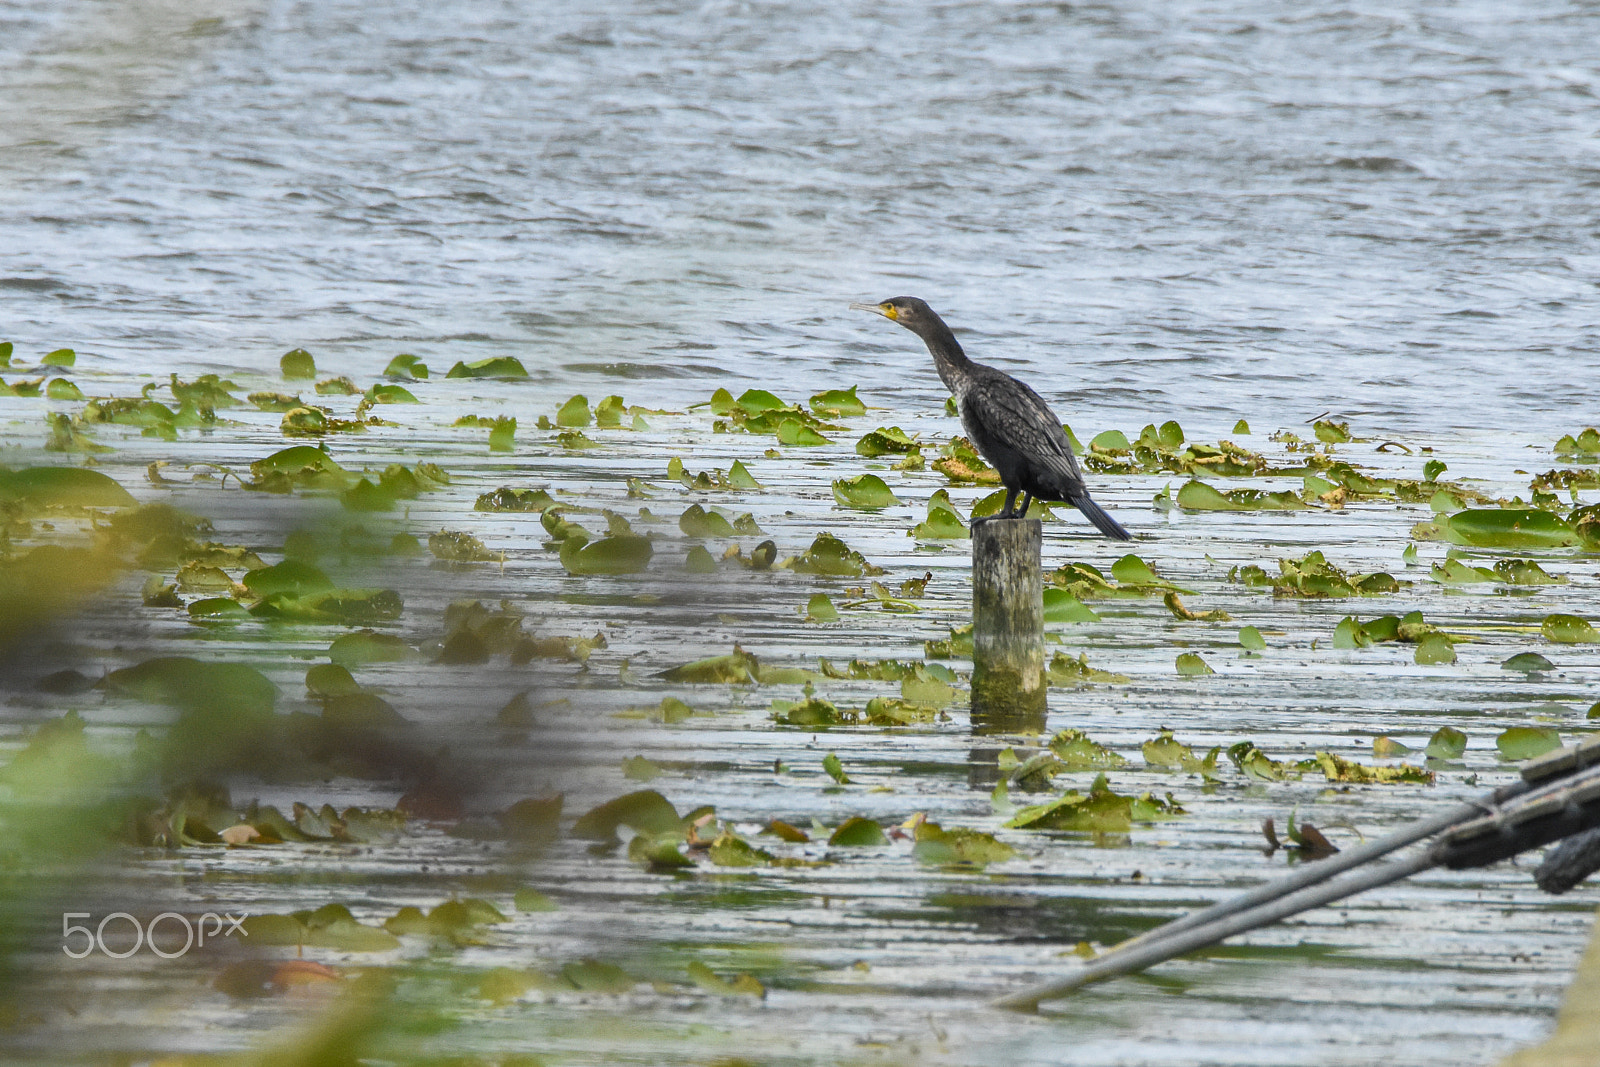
{"x": 1097, "y": 515}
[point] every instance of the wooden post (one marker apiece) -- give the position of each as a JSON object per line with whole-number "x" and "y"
{"x": 1008, "y": 678}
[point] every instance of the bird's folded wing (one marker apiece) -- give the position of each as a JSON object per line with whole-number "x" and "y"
{"x": 1018, "y": 418}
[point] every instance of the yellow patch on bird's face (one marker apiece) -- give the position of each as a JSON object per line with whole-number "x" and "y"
{"x": 890, "y": 312}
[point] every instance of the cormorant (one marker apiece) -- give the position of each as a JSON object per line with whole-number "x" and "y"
{"x": 1011, "y": 426}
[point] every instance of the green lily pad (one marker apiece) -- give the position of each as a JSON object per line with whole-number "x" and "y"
{"x": 290, "y": 576}
{"x": 627, "y": 554}
{"x": 865, "y": 491}
{"x": 1447, "y": 743}
{"x": 297, "y": 363}
{"x": 699, "y": 560}
{"x": 1435, "y": 648}
{"x": 1190, "y": 663}
{"x": 1508, "y": 528}
{"x": 61, "y": 357}
{"x": 796, "y": 433}
{"x": 1062, "y": 606}
{"x": 63, "y": 487}
{"x": 939, "y": 847}
{"x": 835, "y": 769}
{"x": 645, "y": 811}
{"x": 829, "y": 555}
{"x": 1528, "y": 663}
{"x": 62, "y": 389}
{"x": 858, "y": 832}
{"x": 886, "y": 441}
{"x": 737, "y": 668}
{"x": 508, "y": 499}
{"x": 405, "y": 366}
{"x": 1526, "y": 742}
{"x": 1568, "y": 630}
{"x": 391, "y": 394}
{"x": 696, "y": 521}
{"x": 575, "y": 412}
{"x": 739, "y": 477}
{"x": 1251, "y": 639}
{"x": 1195, "y": 495}
{"x": 366, "y": 646}
{"x": 217, "y": 608}
{"x": 497, "y": 367}
{"x": 838, "y": 402}
{"x": 331, "y": 680}
{"x": 820, "y": 609}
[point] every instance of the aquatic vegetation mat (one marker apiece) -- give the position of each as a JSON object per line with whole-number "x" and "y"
{"x": 515, "y": 711}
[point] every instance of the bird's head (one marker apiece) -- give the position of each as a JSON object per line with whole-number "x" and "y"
{"x": 908, "y": 311}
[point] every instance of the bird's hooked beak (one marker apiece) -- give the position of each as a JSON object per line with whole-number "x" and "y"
{"x": 886, "y": 310}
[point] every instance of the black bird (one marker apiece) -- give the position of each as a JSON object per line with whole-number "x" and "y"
{"x": 1010, "y": 424}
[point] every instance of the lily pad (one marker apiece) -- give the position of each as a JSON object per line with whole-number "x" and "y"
{"x": 866, "y": 491}
{"x": 63, "y": 487}
{"x": 1190, "y": 663}
{"x": 1526, "y": 742}
{"x": 796, "y": 433}
{"x": 1447, "y": 743}
{"x": 497, "y": 367}
{"x": 886, "y": 441}
{"x": 297, "y": 363}
{"x": 645, "y": 811}
{"x": 575, "y": 412}
{"x": 858, "y": 832}
{"x": 962, "y": 848}
{"x": 627, "y": 554}
{"x": 831, "y": 556}
{"x": 696, "y": 521}
{"x": 1568, "y": 629}
{"x": 838, "y": 402}
{"x": 1508, "y": 528}
{"x": 1528, "y": 663}
{"x": 1062, "y": 606}
{"x": 1196, "y": 495}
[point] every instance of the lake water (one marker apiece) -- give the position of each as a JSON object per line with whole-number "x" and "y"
{"x": 1199, "y": 211}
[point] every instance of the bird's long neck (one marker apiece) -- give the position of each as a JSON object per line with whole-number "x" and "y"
{"x": 952, "y": 363}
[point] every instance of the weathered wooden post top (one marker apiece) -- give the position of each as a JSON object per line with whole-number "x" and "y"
{"x": 1008, "y": 676}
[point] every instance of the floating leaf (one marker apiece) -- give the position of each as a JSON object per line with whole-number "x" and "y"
{"x": 755, "y": 401}
{"x": 820, "y": 609}
{"x": 858, "y": 832}
{"x": 740, "y": 478}
{"x": 1435, "y": 648}
{"x": 1078, "y": 752}
{"x": 1568, "y": 629}
{"x": 1062, "y": 606}
{"x": 497, "y": 367}
{"x": 1196, "y": 495}
{"x": 575, "y": 412}
{"x": 696, "y": 521}
{"x": 507, "y": 499}
{"x": 1110, "y": 441}
{"x": 795, "y": 432}
{"x": 1447, "y": 743}
{"x": 737, "y": 667}
{"x": 1101, "y": 810}
{"x": 1528, "y": 663}
{"x": 958, "y": 847}
{"x": 290, "y": 576}
{"x": 1508, "y": 528}
{"x": 885, "y": 441}
{"x": 1386, "y": 747}
{"x": 1526, "y": 742}
{"x": 297, "y": 363}
{"x": 594, "y": 976}
{"x": 406, "y": 366}
{"x": 1190, "y": 663}
{"x": 700, "y": 561}
{"x": 391, "y": 394}
{"x": 71, "y": 487}
{"x": 366, "y": 646}
{"x": 961, "y": 463}
{"x": 835, "y": 769}
{"x": 1164, "y": 750}
{"x": 645, "y": 811}
{"x": 838, "y": 402}
{"x": 1251, "y": 639}
{"x": 627, "y": 554}
{"x": 829, "y": 555}
{"x": 330, "y": 680}
{"x": 865, "y": 491}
